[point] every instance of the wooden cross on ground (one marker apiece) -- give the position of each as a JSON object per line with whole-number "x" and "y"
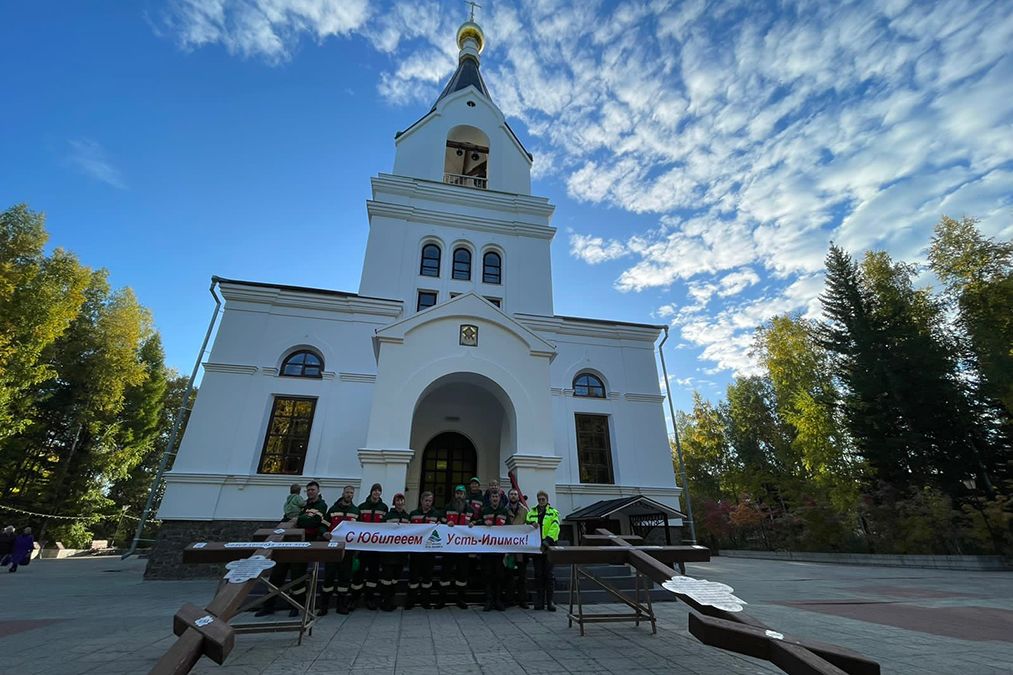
{"x": 734, "y": 631}
{"x": 206, "y": 632}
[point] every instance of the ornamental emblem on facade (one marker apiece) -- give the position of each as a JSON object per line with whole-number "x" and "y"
{"x": 469, "y": 335}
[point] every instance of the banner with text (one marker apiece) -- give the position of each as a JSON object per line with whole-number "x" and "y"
{"x": 428, "y": 538}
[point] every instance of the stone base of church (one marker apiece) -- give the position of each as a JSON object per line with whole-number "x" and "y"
{"x": 165, "y": 561}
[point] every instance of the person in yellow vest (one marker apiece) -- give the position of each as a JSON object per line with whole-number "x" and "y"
{"x": 546, "y": 519}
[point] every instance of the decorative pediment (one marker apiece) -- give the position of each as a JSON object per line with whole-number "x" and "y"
{"x": 471, "y": 310}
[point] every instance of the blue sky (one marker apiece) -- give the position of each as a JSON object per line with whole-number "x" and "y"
{"x": 701, "y": 155}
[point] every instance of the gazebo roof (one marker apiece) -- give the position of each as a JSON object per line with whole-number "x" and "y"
{"x": 632, "y": 506}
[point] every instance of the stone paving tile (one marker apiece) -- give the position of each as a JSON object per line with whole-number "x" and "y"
{"x": 134, "y": 628}
{"x": 448, "y": 660}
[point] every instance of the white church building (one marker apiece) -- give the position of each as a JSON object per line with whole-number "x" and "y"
{"x": 449, "y": 362}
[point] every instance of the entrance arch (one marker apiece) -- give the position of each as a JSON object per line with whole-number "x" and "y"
{"x": 448, "y": 460}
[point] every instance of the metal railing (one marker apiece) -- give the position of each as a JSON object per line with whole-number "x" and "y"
{"x": 466, "y": 181}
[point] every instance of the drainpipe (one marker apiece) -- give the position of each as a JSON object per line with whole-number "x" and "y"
{"x": 176, "y": 424}
{"x": 678, "y": 445}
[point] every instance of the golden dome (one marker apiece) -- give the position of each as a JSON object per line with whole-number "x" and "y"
{"x": 470, "y": 29}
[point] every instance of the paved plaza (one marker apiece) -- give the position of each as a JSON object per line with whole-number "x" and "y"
{"x": 98, "y": 616}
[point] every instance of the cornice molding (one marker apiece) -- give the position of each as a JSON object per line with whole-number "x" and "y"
{"x": 559, "y": 326}
{"x": 371, "y": 456}
{"x": 429, "y": 190}
{"x": 357, "y": 377}
{"x": 259, "y": 480}
{"x": 542, "y": 462}
{"x": 598, "y": 489}
{"x": 414, "y": 214}
{"x": 278, "y": 297}
{"x": 233, "y": 368}
{"x": 645, "y": 398}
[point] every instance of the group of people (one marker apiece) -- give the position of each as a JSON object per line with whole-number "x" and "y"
{"x": 433, "y": 579}
{"x": 15, "y": 549}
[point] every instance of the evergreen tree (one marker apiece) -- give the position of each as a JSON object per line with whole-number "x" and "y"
{"x": 944, "y": 440}
{"x": 130, "y": 493}
{"x": 853, "y": 338}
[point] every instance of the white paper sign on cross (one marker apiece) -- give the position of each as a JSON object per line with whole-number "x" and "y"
{"x": 705, "y": 592}
{"x": 247, "y": 568}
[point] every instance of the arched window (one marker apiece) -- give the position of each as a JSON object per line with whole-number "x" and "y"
{"x": 492, "y": 268}
{"x": 430, "y": 261}
{"x": 303, "y": 363}
{"x": 462, "y": 264}
{"x": 588, "y": 386}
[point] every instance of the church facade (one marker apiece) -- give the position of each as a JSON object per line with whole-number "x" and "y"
{"x": 448, "y": 362}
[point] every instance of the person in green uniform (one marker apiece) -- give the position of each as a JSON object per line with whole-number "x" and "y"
{"x": 338, "y": 575}
{"x": 392, "y": 564}
{"x": 493, "y": 515}
{"x": 311, "y": 520}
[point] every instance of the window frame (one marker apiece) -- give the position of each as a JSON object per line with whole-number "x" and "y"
{"x": 430, "y": 271}
{"x": 606, "y": 451}
{"x": 466, "y": 273}
{"x": 498, "y": 267}
{"x": 288, "y": 436}
{"x": 299, "y": 352}
{"x": 418, "y": 299}
{"x": 589, "y": 388}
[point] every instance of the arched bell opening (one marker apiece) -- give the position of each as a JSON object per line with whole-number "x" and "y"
{"x": 466, "y": 160}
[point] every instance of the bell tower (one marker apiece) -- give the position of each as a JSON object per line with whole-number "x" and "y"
{"x": 457, "y": 214}
{"x": 464, "y": 139}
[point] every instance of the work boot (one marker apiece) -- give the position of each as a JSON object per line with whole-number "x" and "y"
{"x": 498, "y": 601}
{"x": 371, "y": 601}
{"x": 461, "y": 601}
{"x": 323, "y": 604}
{"x": 489, "y": 604}
{"x": 425, "y": 598}
{"x": 522, "y": 593}
{"x": 549, "y": 595}
{"x": 409, "y": 600}
{"x": 387, "y": 598}
{"x": 441, "y": 598}
{"x": 343, "y": 607}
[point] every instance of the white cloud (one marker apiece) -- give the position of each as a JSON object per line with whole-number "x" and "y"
{"x": 594, "y": 250}
{"x": 262, "y": 28}
{"x": 736, "y": 282}
{"x": 755, "y": 132}
{"x": 91, "y": 159}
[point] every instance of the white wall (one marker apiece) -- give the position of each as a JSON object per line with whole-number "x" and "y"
{"x": 215, "y": 472}
{"x": 405, "y": 214}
